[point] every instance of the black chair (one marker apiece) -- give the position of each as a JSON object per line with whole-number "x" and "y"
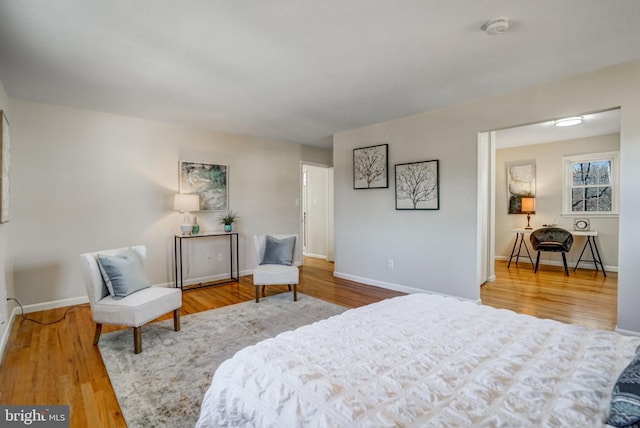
{"x": 553, "y": 239}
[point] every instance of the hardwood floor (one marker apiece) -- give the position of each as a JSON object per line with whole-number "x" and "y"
{"x": 58, "y": 364}
{"x": 584, "y": 297}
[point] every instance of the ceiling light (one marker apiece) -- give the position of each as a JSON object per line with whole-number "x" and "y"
{"x": 569, "y": 121}
{"x": 495, "y": 26}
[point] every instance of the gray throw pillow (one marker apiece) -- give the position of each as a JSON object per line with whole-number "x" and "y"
{"x": 122, "y": 273}
{"x": 278, "y": 251}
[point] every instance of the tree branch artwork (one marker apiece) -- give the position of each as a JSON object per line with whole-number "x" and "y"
{"x": 370, "y": 167}
{"x": 417, "y": 186}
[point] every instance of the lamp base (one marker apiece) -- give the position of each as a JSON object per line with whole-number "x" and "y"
{"x": 528, "y": 222}
{"x": 186, "y": 229}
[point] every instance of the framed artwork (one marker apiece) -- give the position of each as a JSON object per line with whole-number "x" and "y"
{"x": 417, "y": 186}
{"x": 521, "y": 183}
{"x": 5, "y": 163}
{"x": 209, "y": 181}
{"x": 371, "y": 167}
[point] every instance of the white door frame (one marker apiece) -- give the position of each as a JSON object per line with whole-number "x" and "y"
{"x": 486, "y": 179}
{"x": 329, "y": 204}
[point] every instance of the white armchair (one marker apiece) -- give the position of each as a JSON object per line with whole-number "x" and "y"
{"x": 135, "y": 309}
{"x": 280, "y": 273}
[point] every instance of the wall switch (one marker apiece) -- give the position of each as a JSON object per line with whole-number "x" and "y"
{"x": 220, "y": 257}
{"x": 390, "y": 264}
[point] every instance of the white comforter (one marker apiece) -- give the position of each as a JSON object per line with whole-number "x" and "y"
{"x": 424, "y": 361}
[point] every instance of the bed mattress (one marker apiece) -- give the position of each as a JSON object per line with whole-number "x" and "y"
{"x": 422, "y": 360}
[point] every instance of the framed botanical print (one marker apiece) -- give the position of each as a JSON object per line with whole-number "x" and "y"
{"x": 209, "y": 181}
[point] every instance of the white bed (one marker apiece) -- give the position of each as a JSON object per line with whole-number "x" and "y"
{"x": 422, "y": 360}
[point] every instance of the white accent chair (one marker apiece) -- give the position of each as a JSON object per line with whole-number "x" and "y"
{"x": 133, "y": 310}
{"x": 273, "y": 274}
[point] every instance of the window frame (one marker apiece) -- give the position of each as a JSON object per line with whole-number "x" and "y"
{"x": 568, "y": 161}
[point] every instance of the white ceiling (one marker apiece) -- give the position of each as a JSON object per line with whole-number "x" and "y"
{"x": 296, "y": 70}
{"x": 594, "y": 124}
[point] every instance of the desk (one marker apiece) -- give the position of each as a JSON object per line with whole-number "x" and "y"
{"x": 520, "y": 237}
{"x": 232, "y": 257}
{"x": 591, "y": 242}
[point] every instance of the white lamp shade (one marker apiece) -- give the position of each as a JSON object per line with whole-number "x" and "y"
{"x": 186, "y": 202}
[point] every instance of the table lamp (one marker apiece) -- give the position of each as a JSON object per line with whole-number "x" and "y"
{"x": 186, "y": 203}
{"x": 528, "y": 206}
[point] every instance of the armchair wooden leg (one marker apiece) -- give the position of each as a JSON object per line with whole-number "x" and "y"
{"x": 295, "y": 292}
{"x": 263, "y": 287}
{"x": 176, "y": 320}
{"x": 257, "y": 294}
{"x": 289, "y": 285}
{"x": 96, "y": 336}
{"x": 137, "y": 340}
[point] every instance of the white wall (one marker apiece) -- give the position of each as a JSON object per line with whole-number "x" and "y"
{"x": 85, "y": 181}
{"x": 6, "y": 273}
{"x": 549, "y": 181}
{"x": 436, "y": 250}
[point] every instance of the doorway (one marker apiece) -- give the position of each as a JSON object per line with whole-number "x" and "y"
{"x": 536, "y": 144}
{"x": 317, "y": 211}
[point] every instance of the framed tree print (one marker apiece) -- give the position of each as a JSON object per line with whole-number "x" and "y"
{"x": 371, "y": 167}
{"x": 417, "y": 186}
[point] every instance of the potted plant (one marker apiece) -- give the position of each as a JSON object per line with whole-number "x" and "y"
{"x": 228, "y": 220}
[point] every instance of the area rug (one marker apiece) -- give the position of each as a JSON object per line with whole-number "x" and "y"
{"x": 164, "y": 385}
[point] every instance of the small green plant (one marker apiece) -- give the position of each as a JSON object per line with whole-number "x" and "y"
{"x": 229, "y": 218}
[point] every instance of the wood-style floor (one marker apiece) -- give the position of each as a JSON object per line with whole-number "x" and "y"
{"x": 58, "y": 364}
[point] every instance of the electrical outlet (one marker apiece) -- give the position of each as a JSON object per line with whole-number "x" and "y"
{"x": 220, "y": 257}
{"x": 390, "y": 264}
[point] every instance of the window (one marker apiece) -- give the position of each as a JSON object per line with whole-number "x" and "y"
{"x": 591, "y": 184}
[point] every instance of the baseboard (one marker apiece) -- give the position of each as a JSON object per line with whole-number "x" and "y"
{"x": 208, "y": 278}
{"x": 395, "y": 287}
{"x": 54, "y": 304}
{"x": 583, "y": 264}
{"x": 7, "y": 332}
{"x": 627, "y": 332}
{"x": 316, "y": 256}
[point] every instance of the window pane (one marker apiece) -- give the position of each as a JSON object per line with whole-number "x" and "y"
{"x": 604, "y": 172}
{"x": 591, "y": 176}
{"x": 604, "y": 199}
{"x": 577, "y": 172}
{"x": 591, "y": 199}
{"x": 577, "y": 200}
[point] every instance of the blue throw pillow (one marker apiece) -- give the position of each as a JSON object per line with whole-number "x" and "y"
{"x": 278, "y": 251}
{"x": 625, "y": 399}
{"x": 122, "y": 273}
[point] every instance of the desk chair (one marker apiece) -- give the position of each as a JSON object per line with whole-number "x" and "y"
{"x": 552, "y": 239}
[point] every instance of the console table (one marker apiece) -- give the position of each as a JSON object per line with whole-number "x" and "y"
{"x": 520, "y": 238}
{"x": 233, "y": 256}
{"x": 591, "y": 242}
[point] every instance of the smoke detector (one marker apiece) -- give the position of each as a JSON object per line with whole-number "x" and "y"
{"x": 495, "y": 26}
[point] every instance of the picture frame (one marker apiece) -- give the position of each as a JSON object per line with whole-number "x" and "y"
{"x": 371, "y": 167}
{"x": 418, "y": 185}
{"x": 5, "y": 165}
{"x": 209, "y": 181}
{"x": 521, "y": 183}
